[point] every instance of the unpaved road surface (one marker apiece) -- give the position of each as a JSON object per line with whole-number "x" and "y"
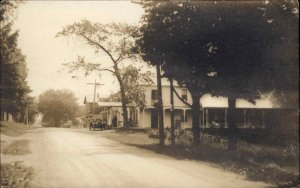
{"x": 70, "y": 158}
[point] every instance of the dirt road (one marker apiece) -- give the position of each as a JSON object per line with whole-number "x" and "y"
{"x": 73, "y": 158}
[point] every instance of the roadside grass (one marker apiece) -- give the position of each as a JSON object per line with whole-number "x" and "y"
{"x": 17, "y": 147}
{"x": 274, "y": 165}
{"x": 13, "y": 128}
{"x": 130, "y": 137}
{"x": 15, "y": 175}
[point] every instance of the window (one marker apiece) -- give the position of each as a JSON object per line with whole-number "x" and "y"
{"x": 154, "y": 95}
{"x": 184, "y": 94}
{"x": 184, "y": 119}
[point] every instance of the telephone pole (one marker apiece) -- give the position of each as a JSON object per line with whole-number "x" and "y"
{"x": 95, "y": 86}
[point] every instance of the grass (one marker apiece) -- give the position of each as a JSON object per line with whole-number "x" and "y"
{"x": 15, "y": 175}
{"x": 130, "y": 137}
{"x": 17, "y": 147}
{"x": 13, "y": 128}
{"x": 274, "y": 165}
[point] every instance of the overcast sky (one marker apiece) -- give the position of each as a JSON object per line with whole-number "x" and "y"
{"x": 39, "y": 21}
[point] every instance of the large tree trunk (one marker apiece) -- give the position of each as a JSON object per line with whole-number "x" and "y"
{"x": 124, "y": 106}
{"x": 160, "y": 108}
{"x": 231, "y": 118}
{"x": 57, "y": 123}
{"x": 172, "y": 113}
{"x": 123, "y": 97}
{"x": 196, "y": 118}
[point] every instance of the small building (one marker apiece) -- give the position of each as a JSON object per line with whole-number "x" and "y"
{"x": 6, "y": 116}
{"x": 107, "y": 110}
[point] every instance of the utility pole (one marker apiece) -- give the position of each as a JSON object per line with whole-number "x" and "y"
{"x": 95, "y": 86}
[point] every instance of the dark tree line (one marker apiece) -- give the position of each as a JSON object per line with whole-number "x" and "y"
{"x": 15, "y": 97}
{"x": 231, "y": 49}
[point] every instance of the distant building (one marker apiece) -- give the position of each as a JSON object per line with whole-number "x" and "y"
{"x": 107, "y": 109}
{"x": 6, "y": 116}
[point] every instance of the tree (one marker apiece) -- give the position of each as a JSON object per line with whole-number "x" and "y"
{"x": 284, "y": 16}
{"x": 32, "y": 110}
{"x": 170, "y": 38}
{"x": 257, "y": 53}
{"x": 134, "y": 80}
{"x": 14, "y": 87}
{"x": 224, "y": 48}
{"x": 57, "y": 106}
{"x": 114, "y": 40}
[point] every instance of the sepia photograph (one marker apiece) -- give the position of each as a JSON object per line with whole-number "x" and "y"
{"x": 149, "y": 94}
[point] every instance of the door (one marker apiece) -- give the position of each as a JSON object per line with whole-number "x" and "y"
{"x": 154, "y": 119}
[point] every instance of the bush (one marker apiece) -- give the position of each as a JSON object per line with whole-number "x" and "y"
{"x": 153, "y": 133}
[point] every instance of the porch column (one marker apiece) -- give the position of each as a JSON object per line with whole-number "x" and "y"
{"x": 184, "y": 114}
{"x": 138, "y": 116}
{"x": 225, "y": 118}
{"x": 164, "y": 113}
{"x": 129, "y": 113}
{"x": 203, "y": 118}
{"x": 244, "y": 117}
{"x": 143, "y": 121}
{"x": 206, "y": 114}
{"x": 263, "y": 118}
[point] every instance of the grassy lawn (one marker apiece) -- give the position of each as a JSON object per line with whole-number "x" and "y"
{"x": 14, "y": 174}
{"x": 257, "y": 162}
{"x": 14, "y": 129}
{"x": 16, "y": 147}
{"x": 129, "y": 137}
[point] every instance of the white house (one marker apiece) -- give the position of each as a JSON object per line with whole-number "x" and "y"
{"x": 213, "y": 111}
{"x": 148, "y": 116}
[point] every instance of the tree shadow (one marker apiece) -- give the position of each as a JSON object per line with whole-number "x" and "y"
{"x": 255, "y": 164}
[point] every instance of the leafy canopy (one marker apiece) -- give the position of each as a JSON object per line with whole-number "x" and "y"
{"x": 57, "y": 106}
{"x": 134, "y": 81}
{"x": 222, "y": 48}
{"x": 14, "y": 87}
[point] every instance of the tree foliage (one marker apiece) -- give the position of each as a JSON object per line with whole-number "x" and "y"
{"x": 232, "y": 49}
{"x": 114, "y": 40}
{"x": 134, "y": 80}
{"x": 14, "y": 87}
{"x": 284, "y": 17}
{"x": 57, "y": 107}
{"x": 170, "y": 38}
{"x": 259, "y": 51}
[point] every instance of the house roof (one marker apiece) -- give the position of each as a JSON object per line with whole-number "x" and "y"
{"x": 112, "y": 104}
{"x": 208, "y": 101}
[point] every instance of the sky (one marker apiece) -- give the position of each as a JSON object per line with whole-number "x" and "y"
{"x": 38, "y": 23}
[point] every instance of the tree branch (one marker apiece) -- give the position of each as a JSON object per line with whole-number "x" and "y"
{"x": 100, "y": 46}
{"x": 107, "y": 70}
{"x": 180, "y": 98}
